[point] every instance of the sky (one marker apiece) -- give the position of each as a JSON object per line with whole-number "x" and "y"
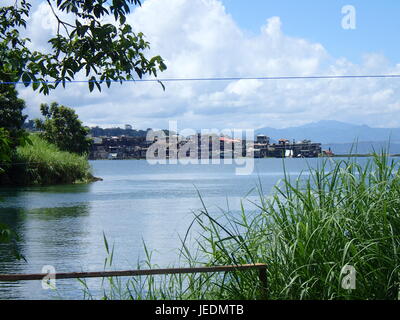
{"x": 236, "y": 38}
{"x": 377, "y": 24}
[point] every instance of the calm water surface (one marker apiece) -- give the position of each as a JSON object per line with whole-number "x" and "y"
{"x": 63, "y": 226}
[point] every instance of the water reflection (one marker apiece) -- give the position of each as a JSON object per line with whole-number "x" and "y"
{"x": 47, "y": 196}
{"x": 70, "y": 188}
{"x": 13, "y": 218}
{"x": 60, "y": 213}
{"x": 48, "y": 236}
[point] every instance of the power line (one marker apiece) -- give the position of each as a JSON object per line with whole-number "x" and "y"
{"x": 376, "y": 76}
{"x": 21, "y": 163}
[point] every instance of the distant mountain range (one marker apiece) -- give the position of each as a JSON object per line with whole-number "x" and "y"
{"x": 362, "y": 147}
{"x": 340, "y": 136}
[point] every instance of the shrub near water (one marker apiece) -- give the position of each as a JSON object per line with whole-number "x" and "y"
{"x": 43, "y": 163}
{"x": 340, "y": 214}
{"x": 343, "y": 213}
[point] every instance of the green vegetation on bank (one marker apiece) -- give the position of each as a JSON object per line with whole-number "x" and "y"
{"x": 339, "y": 214}
{"x": 61, "y": 126}
{"x": 119, "y": 56}
{"x": 42, "y": 163}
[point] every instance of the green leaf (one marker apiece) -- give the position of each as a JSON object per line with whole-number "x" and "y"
{"x": 91, "y": 83}
{"x": 98, "y": 86}
{"x": 35, "y": 85}
{"x": 122, "y": 19}
{"x": 26, "y": 79}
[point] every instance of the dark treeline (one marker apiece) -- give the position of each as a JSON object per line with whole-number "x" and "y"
{"x": 110, "y": 132}
{"x": 99, "y": 132}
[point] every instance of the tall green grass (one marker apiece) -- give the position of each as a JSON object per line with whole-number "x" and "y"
{"x": 42, "y": 163}
{"x": 340, "y": 213}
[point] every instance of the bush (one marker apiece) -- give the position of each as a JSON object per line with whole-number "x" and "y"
{"x": 42, "y": 163}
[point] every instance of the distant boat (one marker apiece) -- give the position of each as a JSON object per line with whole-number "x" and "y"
{"x": 288, "y": 153}
{"x": 113, "y": 156}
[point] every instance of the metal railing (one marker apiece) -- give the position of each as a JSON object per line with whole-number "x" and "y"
{"x": 262, "y": 273}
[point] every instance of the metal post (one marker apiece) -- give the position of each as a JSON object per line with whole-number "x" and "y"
{"x": 262, "y": 275}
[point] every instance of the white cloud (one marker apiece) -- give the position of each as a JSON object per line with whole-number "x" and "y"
{"x": 198, "y": 38}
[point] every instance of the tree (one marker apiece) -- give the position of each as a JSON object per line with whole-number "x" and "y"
{"x": 5, "y": 148}
{"x": 62, "y": 127}
{"x": 6, "y": 234}
{"x": 106, "y": 52}
{"x": 11, "y": 117}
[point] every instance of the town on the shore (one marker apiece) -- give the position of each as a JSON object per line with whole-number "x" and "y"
{"x": 127, "y": 143}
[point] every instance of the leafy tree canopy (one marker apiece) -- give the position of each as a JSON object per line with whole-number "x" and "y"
{"x": 11, "y": 117}
{"x": 5, "y": 148}
{"x": 105, "y": 52}
{"x": 62, "y": 127}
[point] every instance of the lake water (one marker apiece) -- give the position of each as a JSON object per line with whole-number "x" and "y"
{"x": 63, "y": 226}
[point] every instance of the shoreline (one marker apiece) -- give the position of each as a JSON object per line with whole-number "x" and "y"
{"x": 333, "y": 156}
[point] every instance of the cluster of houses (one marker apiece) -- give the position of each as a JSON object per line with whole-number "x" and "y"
{"x": 286, "y": 149}
{"x": 200, "y": 146}
{"x": 119, "y": 147}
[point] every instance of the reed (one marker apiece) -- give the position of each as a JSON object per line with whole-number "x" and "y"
{"x": 339, "y": 214}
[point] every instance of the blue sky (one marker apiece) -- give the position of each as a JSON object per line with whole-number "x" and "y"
{"x": 236, "y": 38}
{"x": 377, "y": 28}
